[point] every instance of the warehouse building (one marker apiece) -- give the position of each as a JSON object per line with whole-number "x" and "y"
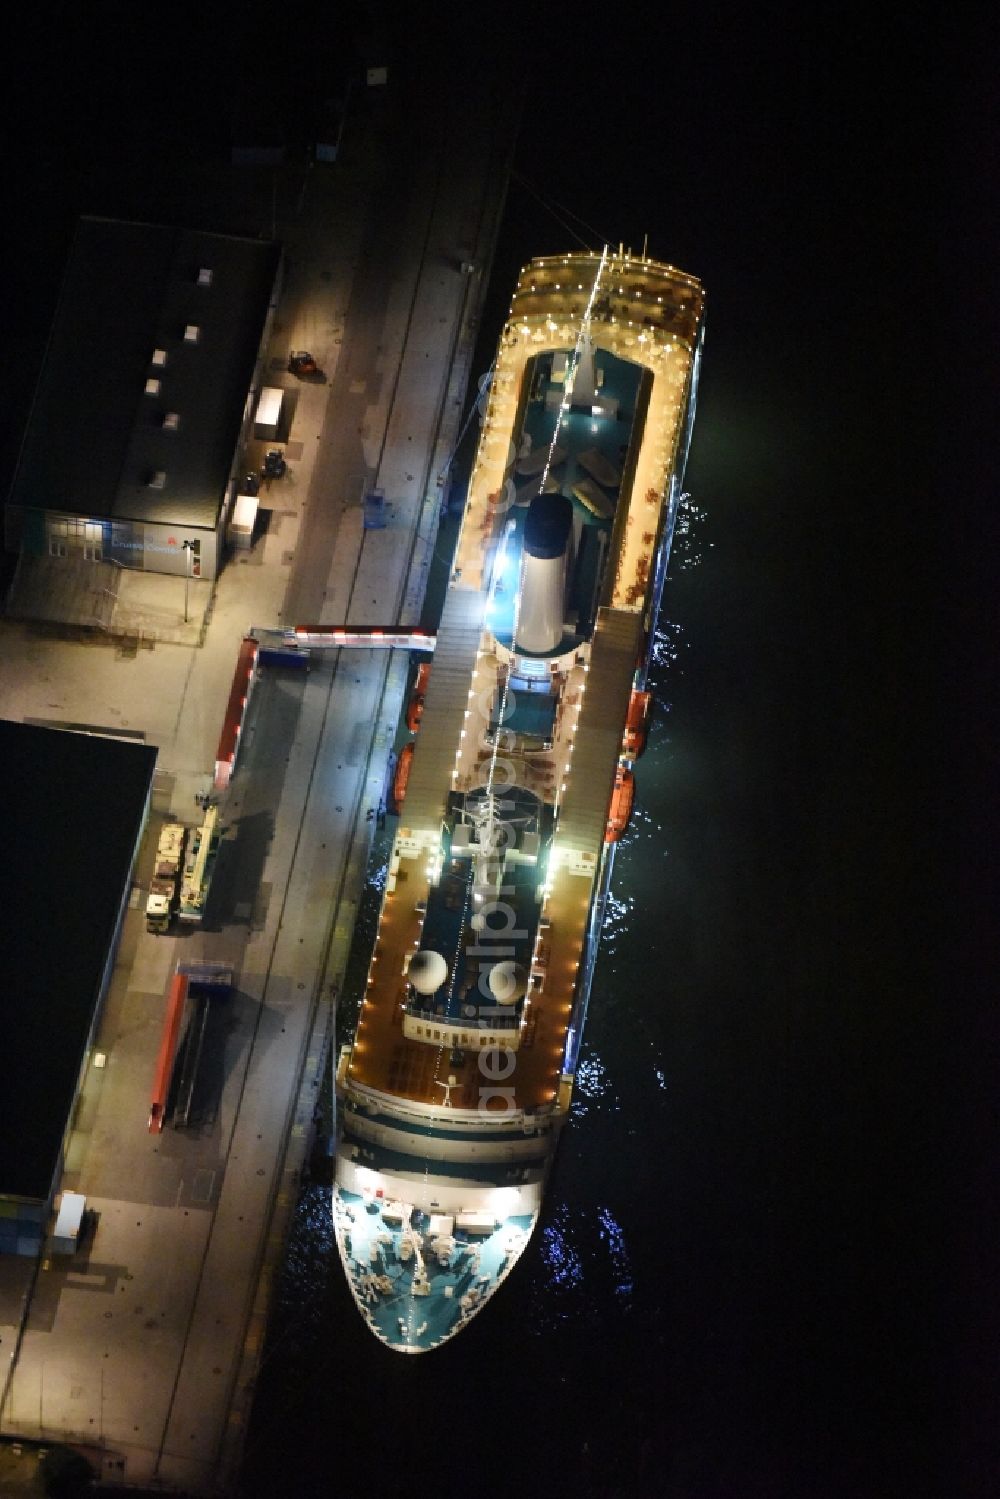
{"x": 74, "y": 827}
{"x": 145, "y": 399}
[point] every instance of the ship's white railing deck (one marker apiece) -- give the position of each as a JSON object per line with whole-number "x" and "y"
{"x": 644, "y": 312}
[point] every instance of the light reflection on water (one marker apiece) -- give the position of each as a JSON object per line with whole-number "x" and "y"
{"x": 667, "y": 645}
{"x": 592, "y": 1086}
{"x": 613, "y": 1237}
{"x": 688, "y": 549}
{"x": 583, "y": 1268}
{"x": 617, "y": 914}
{"x": 560, "y": 1255}
{"x": 310, "y": 1257}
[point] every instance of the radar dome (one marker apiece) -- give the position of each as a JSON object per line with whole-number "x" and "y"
{"x": 427, "y": 971}
{"x": 508, "y": 982}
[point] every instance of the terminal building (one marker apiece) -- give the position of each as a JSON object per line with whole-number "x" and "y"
{"x": 73, "y": 821}
{"x": 145, "y": 400}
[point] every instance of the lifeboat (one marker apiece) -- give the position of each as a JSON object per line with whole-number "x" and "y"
{"x": 620, "y": 809}
{"x": 637, "y": 724}
{"x": 401, "y": 777}
{"x": 415, "y": 707}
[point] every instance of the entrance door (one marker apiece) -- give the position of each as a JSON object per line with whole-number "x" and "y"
{"x": 93, "y": 541}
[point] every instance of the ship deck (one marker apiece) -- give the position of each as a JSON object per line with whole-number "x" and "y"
{"x": 389, "y": 1062}
{"x": 418, "y": 1279}
{"x": 384, "y": 1059}
{"x": 644, "y": 335}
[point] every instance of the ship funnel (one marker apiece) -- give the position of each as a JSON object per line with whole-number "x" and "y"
{"x": 547, "y": 530}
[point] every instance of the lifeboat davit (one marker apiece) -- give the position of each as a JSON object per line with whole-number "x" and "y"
{"x": 415, "y": 707}
{"x": 401, "y": 777}
{"x": 637, "y": 724}
{"x": 620, "y": 810}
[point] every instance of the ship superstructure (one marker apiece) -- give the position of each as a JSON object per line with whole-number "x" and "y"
{"x": 453, "y": 1093}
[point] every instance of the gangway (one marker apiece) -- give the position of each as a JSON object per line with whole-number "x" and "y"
{"x": 264, "y": 644}
{"x": 358, "y": 637}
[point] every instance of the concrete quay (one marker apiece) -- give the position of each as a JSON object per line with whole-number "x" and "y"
{"x": 142, "y": 1348}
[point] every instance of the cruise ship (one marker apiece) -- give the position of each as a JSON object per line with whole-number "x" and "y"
{"x": 516, "y": 787}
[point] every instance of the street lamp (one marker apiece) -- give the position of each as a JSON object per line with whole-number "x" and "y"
{"x": 188, "y": 553}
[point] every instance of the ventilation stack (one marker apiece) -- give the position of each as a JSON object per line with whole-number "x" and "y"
{"x": 547, "y": 529}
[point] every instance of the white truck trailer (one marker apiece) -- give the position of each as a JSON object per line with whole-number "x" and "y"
{"x": 161, "y": 902}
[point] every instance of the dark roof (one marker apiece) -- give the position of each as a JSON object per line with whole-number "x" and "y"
{"x": 72, "y": 819}
{"x": 94, "y": 437}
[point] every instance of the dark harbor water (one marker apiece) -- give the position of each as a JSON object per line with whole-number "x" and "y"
{"x": 735, "y": 1288}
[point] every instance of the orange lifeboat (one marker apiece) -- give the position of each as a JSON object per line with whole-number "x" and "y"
{"x": 637, "y": 724}
{"x": 620, "y": 810}
{"x": 401, "y": 777}
{"x": 415, "y": 707}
